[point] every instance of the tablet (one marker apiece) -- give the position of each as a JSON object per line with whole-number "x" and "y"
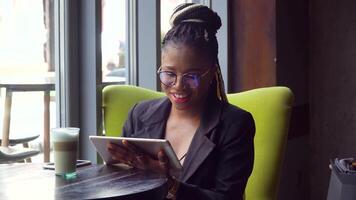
{"x": 149, "y": 146}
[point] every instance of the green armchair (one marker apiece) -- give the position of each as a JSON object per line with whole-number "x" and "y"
{"x": 271, "y": 108}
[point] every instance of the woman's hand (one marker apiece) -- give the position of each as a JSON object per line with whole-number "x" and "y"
{"x": 133, "y": 156}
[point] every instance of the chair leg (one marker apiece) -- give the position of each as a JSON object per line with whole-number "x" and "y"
{"x": 7, "y": 117}
{"x": 46, "y": 116}
{"x": 28, "y": 160}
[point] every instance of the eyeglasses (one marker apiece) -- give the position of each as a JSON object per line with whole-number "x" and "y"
{"x": 169, "y": 78}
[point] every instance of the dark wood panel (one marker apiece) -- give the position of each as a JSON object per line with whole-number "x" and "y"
{"x": 299, "y": 123}
{"x": 253, "y": 44}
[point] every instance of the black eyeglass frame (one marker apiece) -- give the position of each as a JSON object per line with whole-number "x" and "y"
{"x": 198, "y": 76}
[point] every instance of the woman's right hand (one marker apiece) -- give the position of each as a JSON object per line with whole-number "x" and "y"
{"x": 131, "y": 155}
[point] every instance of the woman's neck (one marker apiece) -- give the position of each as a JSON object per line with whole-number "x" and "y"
{"x": 190, "y": 114}
{"x": 194, "y": 113}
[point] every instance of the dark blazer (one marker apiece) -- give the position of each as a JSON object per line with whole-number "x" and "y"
{"x": 220, "y": 156}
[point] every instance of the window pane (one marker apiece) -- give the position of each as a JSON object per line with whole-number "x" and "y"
{"x": 167, "y": 7}
{"x": 113, "y": 41}
{"x": 26, "y": 58}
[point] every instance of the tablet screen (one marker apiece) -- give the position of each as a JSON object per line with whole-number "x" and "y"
{"x": 149, "y": 146}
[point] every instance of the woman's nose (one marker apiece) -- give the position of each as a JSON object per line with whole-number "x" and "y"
{"x": 179, "y": 83}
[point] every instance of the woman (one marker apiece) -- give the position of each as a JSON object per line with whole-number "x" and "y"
{"x": 212, "y": 138}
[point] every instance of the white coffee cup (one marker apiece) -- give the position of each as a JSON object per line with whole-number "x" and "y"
{"x": 65, "y": 149}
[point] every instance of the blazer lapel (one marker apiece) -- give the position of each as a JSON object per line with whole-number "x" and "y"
{"x": 201, "y": 146}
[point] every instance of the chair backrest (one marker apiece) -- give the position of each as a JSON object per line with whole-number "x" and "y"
{"x": 117, "y": 102}
{"x": 270, "y": 107}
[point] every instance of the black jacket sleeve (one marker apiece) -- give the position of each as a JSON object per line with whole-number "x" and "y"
{"x": 128, "y": 128}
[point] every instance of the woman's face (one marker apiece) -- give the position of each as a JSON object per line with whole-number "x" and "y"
{"x": 187, "y": 93}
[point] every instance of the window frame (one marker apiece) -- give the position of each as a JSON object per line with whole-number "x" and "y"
{"x": 78, "y": 67}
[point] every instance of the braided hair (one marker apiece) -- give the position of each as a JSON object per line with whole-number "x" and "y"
{"x": 196, "y": 25}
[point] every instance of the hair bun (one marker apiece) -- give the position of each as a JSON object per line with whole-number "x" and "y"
{"x": 198, "y": 13}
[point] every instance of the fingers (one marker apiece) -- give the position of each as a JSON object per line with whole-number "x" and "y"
{"x": 117, "y": 148}
{"x": 118, "y": 159}
{"x": 120, "y": 154}
{"x": 162, "y": 158}
{"x": 132, "y": 148}
{"x": 132, "y": 155}
{"x": 141, "y": 159}
{"x": 129, "y": 154}
{"x": 163, "y": 161}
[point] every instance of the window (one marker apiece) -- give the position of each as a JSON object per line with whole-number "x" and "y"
{"x": 167, "y": 7}
{"x": 26, "y": 57}
{"x": 113, "y": 41}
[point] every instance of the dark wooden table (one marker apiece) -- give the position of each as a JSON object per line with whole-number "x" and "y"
{"x": 31, "y": 181}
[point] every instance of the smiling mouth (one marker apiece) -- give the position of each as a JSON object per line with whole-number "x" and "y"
{"x": 180, "y": 98}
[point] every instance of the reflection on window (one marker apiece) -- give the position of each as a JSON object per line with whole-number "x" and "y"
{"x": 113, "y": 41}
{"x": 26, "y": 57}
{"x": 167, "y": 7}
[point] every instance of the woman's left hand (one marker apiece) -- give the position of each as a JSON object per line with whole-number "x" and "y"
{"x": 135, "y": 157}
